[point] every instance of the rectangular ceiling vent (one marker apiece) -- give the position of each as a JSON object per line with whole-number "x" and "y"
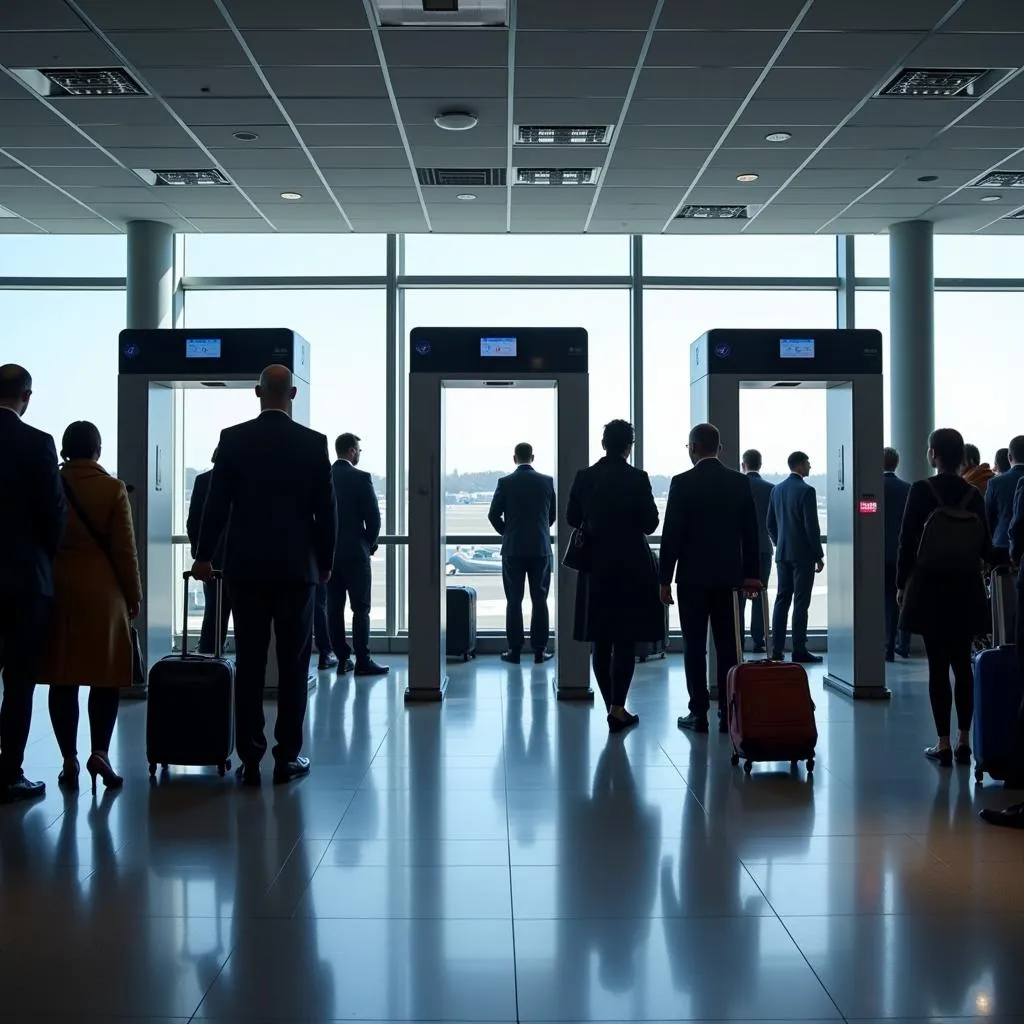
{"x": 440, "y": 13}
{"x": 586, "y": 135}
{"x": 712, "y": 213}
{"x": 942, "y": 83}
{"x": 95, "y": 83}
{"x": 178, "y": 177}
{"x": 461, "y": 177}
{"x": 556, "y": 175}
{"x": 1000, "y": 179}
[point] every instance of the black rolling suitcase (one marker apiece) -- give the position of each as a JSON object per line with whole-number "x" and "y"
{"x": 460, "y": 639}
{"x": 190, "y": 717}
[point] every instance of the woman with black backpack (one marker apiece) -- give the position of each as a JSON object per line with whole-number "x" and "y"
{"x": 943, "y": 543}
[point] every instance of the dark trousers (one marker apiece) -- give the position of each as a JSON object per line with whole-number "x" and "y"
{"x": 515, "y": 572}
{"x": 796, "y": 580}
{"x": 756, "y": 605}
{"x": 24, "y": 619}
{"x": 321, "y": 634}
{"x": 288, "y": 607}
{"x": 950, "y": 654}
{"x": 895, "y": 638}
{"x": 103, "y": 704}
{"x": 351, "y": 579}
{"x": 697, "y": 608}
{"x": 614, "y": 663}
{"x": 207, "y": 633}
{"x": 1016, "y": 773}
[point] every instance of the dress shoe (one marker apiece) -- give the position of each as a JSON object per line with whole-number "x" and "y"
{"x": 68, "y": 778}
{"x": 348, "y": 665}
{"x": 539, "y": 657}
{"x": 511, "y": 657}
{"x": 778, "y": 656}
{"x": 248, "y": 774}
{"x": 1012, "y": 817}
{"x": 370, "y": 668}
{"x": 805, "y": 658}
{"x": 693, "y": 723}
{"x": 619, "y": 723}
{"x": 327, "y": 661}
{"x": 21, "y": 789}
{"x": 942, "y": 756}
{"x": 962, "y": 754}
{"x": 287, "y": 771}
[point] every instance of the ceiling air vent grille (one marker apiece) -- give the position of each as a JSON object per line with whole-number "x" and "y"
{"x": 449, "y": 13}
{"x": 563, "y": 135}
{"x": 938, "y": 83}
{"x": 95, "y": 83}
{"x": 556, "y": 175}
{"x": 1000, "y": 179}
{"x": 712, "y": 213}
{"x": 461, "y": 177}
{"x": 178, "y": 177}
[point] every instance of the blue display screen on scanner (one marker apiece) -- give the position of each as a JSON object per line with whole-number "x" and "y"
{"x": 202, "y": 348}
{"x": 796, "y": 348}
{"x": 490, "y": 347}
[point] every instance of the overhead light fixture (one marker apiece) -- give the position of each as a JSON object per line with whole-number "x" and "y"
{"x": 291, "y": 195}
{"x": 1000, "y": 179}
{"x": 712, "y": 213}
{"x": 991, "y": 199}
{"x": 778, "y": 137}
{"x": 928, "y": 177}
{"x": 456, "y": 120}
{"x": 245, "y": 136}
{"x": 937, "y": 83}
{"x": 556, "y": 175}
{"x": 747, "y": 178}
{"x": 177, "y": 177}
{"x": 95, "y": 83}
{"x": 466, "y": 197}
{"x": 449, "y": 13}
{"x": 563, "y": 135}
{"x": 5, "y": 213}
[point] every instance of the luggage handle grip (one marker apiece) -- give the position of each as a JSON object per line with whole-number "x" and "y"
{"x": 737, "y": 620}
{"x": 218, "y": 641}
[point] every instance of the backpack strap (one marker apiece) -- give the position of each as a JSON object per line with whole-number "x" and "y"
{"x": 966, "y": 499}
{"x": 961, "y": 505}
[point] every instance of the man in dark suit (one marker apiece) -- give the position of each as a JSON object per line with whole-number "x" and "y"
{"x": 358, "y": 530}
{"x": 207, "y": 633}
{"x": 793, "y": 527}
{"x": 709, "y": 544}
{"x": 762, "y": 489}
{"x": 271, "y": 490}
{"x": 32, "y": 517}
{"x": 522, "y": 512}
{"x": 999, "y": 496}
{"x": 894, "y": 495}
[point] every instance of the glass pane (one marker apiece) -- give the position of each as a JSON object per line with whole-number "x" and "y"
{"x": 740, "y": 255}
{"x": 63, "y": 256}
{"x": 273, "y": 255}
{"x": 979, "y": 256}
{"x": 68, "y": 341}
{"x": 872, "y": 311}
{"x": 517, "y": 254}
{"x": 871, "y": 255}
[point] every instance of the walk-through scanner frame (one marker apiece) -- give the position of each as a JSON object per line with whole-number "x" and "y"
{"x": 152, "y": 365}
{"x": 848, "y": 365}
{"x": 487, "y": 357}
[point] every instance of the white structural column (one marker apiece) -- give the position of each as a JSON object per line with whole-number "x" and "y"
{"x": 150, "y": 275}
{"x": 911, "y": 344}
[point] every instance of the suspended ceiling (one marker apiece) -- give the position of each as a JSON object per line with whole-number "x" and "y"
{"x": 344, "y": 114}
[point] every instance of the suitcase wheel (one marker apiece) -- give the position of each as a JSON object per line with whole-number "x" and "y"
{"x": 734, "y": 760}
{"x": 810, "y": 764}
{"x": 465, "y": 657}
{"x": 979, "y": 776}
{"x": 748, "y": 766}
{"x": 152, "y": 770}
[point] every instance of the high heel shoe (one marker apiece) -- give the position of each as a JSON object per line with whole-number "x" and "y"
{"x": 68, "y": 778}
{"x": 99, "y": 765}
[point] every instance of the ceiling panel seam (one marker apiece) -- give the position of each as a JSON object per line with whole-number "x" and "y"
{"x": 510, "y": 94}
{"x": 136, "y": 74}
{"x": 892, "y": 70}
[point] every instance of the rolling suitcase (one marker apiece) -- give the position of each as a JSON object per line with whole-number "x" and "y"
{"x": 771, "y": 714}
{"x": 997, "y": 690}
{"x": 190, "y": 716}
{"x": 460, "y": 636}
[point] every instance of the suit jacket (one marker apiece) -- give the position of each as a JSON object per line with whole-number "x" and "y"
{"x": 999, "y": 504}
{"x": 271, "y": 491}
{"x": 894, "y": 495}
{"x": 358, "y": 512}
{"x": 793, "y": 522}
{"x": 710, "y": 536}
{"x": 1016, "y": 532}
{"x": 32, "y": 510}
{"x": 762, "y": 502}
{"x": 522, "y": 511}
{"x": 200, "y": 489}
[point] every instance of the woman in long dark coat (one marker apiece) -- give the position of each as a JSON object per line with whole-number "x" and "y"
{"x": 617, "y": 602}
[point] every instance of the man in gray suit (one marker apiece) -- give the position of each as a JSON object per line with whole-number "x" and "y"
{"x": 522, "y": 511}
{"x": 762, "y": 489}
{"x": 793, "y": 528}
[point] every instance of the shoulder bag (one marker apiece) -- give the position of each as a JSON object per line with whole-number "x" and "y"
{"x": 579, "y": 552}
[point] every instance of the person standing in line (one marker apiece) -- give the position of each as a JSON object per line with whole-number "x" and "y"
{"x": 974, "y": 471}
{"x": 207, "y": 632}
{"x": 358, "y": 530}
{"x": 33, "y": 513}
{"x": 617, "y": 603}
{"x": 326, "y": 658}
{"x": 894, "y": 496}
{"x": 522, "y": 513}
{"x": 271, "y": 491}
{"x": 762, "y": 489}
{"x": 1001, "y": 463}
{"x": 999, "y": 497}
{"x": 710, "y": 545}
{"x": 794, "y": 530}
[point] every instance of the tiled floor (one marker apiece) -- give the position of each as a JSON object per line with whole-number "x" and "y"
{"x": 501, "y": 858}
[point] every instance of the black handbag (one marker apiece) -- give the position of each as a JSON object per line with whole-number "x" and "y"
{"x": 578, "y": 554}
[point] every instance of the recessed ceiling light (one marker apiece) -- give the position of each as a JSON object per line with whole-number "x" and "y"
{"x": 747, "y": 178}
{"x": 928, "y": 177}
{"x": 456, "y": 120}
{"x": 991, "y": 199}
{"x": 246, "y": 136}
{"x": 778, "y": 137}
{"x": 291, "y": 195}
{"x": 466, "y": 197}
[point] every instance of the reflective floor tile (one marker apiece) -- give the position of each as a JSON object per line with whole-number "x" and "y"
{"x": 834, "y": 850}
{"x": 403, "y": 852}
{"x": 423, "y": 814}
{"x": 378, "y": 970}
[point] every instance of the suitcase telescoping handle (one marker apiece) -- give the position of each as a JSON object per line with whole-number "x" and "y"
{"x": 1000, "y": 574}
{"x": 737, "y": 620}
{"x": 218, "y": 640}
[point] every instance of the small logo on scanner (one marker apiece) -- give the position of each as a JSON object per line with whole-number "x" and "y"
{"x": 723, "y": 350}
{"x": 423, "y": 348}
{"x": 131, "y": 351}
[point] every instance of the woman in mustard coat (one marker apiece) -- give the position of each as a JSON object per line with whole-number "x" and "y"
{"x": 97, "y": 592}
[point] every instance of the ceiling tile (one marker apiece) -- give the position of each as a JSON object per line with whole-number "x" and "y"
{"x": 83, "y": 155}
{"x": 25, "y": 112}
{"x": 850, "y": 84}
{"x": 692, "y": 137}
{"x": 422, "y": 109}
{"x": 300, "y": 47}
{"x": 110, "y": 176}
{"x": 838, "y": 178}
{"x": 345, "y": 178}
{"x": 584, "y": 49}
{"x": 979, "y": 138}
{"x": 39, "y": 16}
{"x": 428, "y": 156}
{"x": 488, "y": 135}
{"x": 795, "y": 112}
{"x": 441, "y": 48}
{"x": 840, "y": 15}
{"x": 326, "y": 81}
{"x": 374, "y": 136}
{"x": 181, "y": 158}
{"x": 247, "y": 225}
{"x": 987, "y": 16}
{"x": 45, "y": 49}
{"x": 997, "y": 114}
{"x": 335, "y": 111}
{"x": 805, "y": 137}
{"x": 763, "y": 157}
{"x": 91, "y": 226}
{"x": 235, "y": 112}
{"x": 898, "y": 110}
{"x": 712, "y": 49}
{"x": 270, "y": 136}
{"x": 737, "y": 14}
{"x": 930, "y": 161}
{"x": 570, "y": 110}
{"x": 716, "y": 113}
{"x": 848, "y": 49}
{"x": 647, "y": 177}
{"x": 268, "y": 159}
{"x": 854, "y": 159}
{"x": 600, "y": 83}
{"x": 570, "y": 14}
{"x": 180, "y": 49}
{"x": 978, "y": 50}
{"x": 881, "y": 138}
{"x": 140, "y": 136}
{"x": 309, "y": 14}
{"x": 123, "y": 110}
{"x": 362, "y": 157}
{"x": 695, "y": 83}
{"x": 197, "y": 82}
{"x": 132, "y": 16}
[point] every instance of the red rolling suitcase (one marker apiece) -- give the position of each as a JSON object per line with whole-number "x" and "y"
{"x": 771, "y": 714}
{"x": 190, "y": 717}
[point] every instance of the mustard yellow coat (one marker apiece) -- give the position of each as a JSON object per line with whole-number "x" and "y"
{"x": 90, "y": 642}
